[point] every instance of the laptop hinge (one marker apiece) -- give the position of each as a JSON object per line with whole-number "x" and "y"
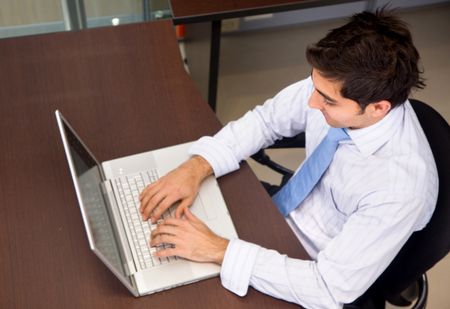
{"x": 127, "y": 259}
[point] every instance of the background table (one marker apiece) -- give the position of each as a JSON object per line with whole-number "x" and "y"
{"x": 198, "y": 11}
{"x": 125, "y": 91}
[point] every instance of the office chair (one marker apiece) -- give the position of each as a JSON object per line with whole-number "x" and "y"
{"x": 425, "y": 247}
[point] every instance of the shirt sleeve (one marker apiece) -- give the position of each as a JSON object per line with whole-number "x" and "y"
{"x": 283, "y": 115}
{"x": 343, "y": 271}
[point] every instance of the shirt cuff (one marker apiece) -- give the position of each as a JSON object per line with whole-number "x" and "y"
{"x": 237, "y": 266}
{"x": 220, "y": 157}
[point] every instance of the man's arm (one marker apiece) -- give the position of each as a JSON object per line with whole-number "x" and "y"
{"x": 281, "y": 116}
{"x": 343, "y": 270}
{"x": 191, "y": 238}
{"x": 284, "y": 115}
{"x": 180, "y": 185}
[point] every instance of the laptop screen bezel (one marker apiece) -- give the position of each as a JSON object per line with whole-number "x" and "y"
{"x": 121, "y": 274}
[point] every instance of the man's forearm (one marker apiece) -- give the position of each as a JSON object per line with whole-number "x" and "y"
{"x": 200, "y": 167}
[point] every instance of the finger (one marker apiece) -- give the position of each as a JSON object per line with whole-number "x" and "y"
{"x": 167, "y": 252}
{"x": 163, "y": 239}
{"x": 151, "y": 205}
{"x": 190, "y": 216}
{"x": 181, "y": 208}
{"x": 151, "y": 190}
{"x": 148, "y": 188}
{"x": 148, "y": 195}
{"x": 164, "y": 229}
{"x": 171, "y": 221}
{"x": 144, "y": 191}
{"x": 164, "y": 205}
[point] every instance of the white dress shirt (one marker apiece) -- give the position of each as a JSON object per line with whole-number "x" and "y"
{"x": 381, "y": 186}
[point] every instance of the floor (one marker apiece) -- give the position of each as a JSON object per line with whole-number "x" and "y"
{"x": 256, "y": 65}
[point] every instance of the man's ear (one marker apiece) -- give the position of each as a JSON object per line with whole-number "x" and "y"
{"x": 380, "y": 109}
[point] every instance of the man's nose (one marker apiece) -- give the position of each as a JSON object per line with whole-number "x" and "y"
{"x": 315, "y": 101}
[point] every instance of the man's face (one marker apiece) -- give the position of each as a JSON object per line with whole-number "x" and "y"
{"x": 338, "y": 111}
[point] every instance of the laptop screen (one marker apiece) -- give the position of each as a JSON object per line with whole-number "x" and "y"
{"x": 88, "y": 178}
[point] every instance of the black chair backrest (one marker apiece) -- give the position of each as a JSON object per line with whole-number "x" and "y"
{"x": 425, "y": 247}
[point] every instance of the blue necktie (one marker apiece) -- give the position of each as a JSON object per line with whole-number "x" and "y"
{"x": 302, "y": 183}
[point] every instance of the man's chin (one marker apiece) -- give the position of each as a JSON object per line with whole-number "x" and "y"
{"x": 331, "y": 123}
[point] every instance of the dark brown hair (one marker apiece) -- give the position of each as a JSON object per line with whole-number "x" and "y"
{"x": 373, "y": 56}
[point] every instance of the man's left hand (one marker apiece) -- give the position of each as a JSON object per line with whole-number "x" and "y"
{"x": 191, "y": 238}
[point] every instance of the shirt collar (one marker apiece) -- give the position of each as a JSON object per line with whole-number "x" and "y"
{"x": 370, "y": 139}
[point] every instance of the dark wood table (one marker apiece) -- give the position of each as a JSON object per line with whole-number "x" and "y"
{"x": 125, "y": 90}
{"x": 197, "y": 11}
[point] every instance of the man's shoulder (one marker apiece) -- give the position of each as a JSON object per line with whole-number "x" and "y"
{"x": 301, "y": 87}
{"x": 304, "y": 84}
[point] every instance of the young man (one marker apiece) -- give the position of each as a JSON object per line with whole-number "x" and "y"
{"x": 380, "y": 186}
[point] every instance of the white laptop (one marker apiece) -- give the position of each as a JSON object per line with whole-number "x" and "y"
{"x": 108, "y": 195}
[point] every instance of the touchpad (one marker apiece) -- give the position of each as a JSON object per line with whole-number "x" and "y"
{"x": 203, "y": 210}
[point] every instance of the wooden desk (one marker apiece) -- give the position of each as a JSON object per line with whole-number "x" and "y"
{"x": 125, "y": 91}
{"x": 185, "y": 12}
{"x": 197, "y": 11}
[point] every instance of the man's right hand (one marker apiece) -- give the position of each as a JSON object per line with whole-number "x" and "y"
{"x": 179, "y": 185}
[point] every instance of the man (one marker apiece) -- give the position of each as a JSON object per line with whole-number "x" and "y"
{"x": 380, "y": 186}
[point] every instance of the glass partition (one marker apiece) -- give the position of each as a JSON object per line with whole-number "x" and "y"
{"x": 30, "y": 17}
{"x": 26, "y": 17}
{"x": 114, "y": 12}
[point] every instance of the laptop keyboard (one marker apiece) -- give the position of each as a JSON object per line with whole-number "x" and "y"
{"x": 129, "y": 188}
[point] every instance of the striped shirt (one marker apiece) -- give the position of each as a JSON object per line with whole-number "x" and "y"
{"x": 381, "y": 186}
